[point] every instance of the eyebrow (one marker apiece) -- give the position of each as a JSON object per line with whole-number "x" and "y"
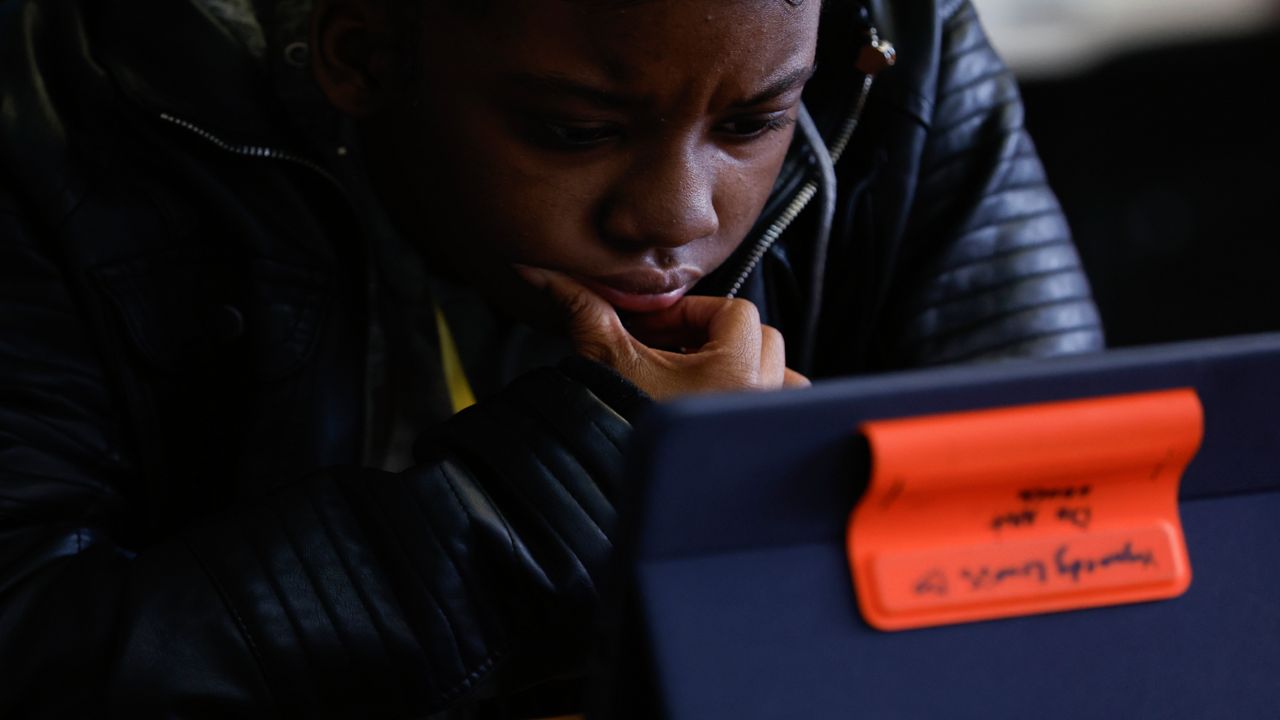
{"x": 559, "y": 84}
{"x": 780, "y": 85}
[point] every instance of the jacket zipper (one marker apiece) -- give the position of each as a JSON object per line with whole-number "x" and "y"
{"x": 807, "y": 191}
{"x": 254, "y": 151}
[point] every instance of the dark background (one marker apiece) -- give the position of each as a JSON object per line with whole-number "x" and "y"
{"x": 1167, "y": 162}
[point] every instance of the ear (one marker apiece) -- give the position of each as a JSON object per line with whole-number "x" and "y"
{"x": 352, "y": 55}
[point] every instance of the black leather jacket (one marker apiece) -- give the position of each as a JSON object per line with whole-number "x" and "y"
{"x": 184, "y": 530}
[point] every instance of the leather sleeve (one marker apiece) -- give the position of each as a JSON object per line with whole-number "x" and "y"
{"x": 349, "y": 593}
{"x": 995, "y": 273}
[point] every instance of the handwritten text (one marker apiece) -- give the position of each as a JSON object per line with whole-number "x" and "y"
{"x": 1062, "y": 564}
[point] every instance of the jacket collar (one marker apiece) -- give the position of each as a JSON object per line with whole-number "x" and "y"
{"x": 194, "y": 69}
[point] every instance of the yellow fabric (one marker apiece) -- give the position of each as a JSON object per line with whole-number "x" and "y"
{"x": 455, "y": 377}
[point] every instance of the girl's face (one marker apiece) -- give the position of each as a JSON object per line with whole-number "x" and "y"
{"x": 630, "y": 144}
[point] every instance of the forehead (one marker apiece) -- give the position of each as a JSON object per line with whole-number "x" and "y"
{"x": 634, "y": 42}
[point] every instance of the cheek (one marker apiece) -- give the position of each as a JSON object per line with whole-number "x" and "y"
{"x": 741, "y": 195}
{"x": 743, "y": 188}
{"x": 507, "y": 203}
{"x": 538, "y": 216}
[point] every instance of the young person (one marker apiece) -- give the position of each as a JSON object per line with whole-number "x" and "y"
{"x": 256, "y": 255}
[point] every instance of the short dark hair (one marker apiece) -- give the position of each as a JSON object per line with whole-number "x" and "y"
{"x": 408, "y": 15}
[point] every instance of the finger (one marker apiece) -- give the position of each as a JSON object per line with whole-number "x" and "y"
{"x": 732, "y": 318}
{"x": 695, "y": 311}
{"x": 698, "y": 321}
{"x": 591, "y": 322}
{"x": 793, "y": 379}
{"x": 656, "y": 334}
{"x": 735, "y": 329}
{"x": 683, "y": 325}
{"x": 773, "y": 357}
{"x": 687, "y": 324}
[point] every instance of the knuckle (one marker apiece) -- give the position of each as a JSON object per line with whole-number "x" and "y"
{"x": 745, "y": 367}
{"x": 744, "y": 359}
{"x": 745, "y": 309}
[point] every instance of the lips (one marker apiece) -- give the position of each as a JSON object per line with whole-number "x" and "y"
{"x": 643, "y": 291}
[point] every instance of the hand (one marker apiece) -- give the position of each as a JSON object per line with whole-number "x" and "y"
{"x": 700, "y": 344}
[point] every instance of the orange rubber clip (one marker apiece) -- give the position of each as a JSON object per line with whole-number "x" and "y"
{"x": 1022, "y": 510}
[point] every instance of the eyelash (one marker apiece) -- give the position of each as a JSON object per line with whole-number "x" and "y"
{"x": 561, "y": 134}
{"x": 768, "y": 124}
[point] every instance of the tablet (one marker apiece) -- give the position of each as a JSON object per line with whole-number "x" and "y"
{"x": 736, "y": 598}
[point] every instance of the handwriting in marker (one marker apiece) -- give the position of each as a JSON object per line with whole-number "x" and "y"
{"x": 934, "y": 582}
{"x": 1018, "y": 519}
{"x": 985, "y": 577}
{"x": 1078, "y": 516}
{"x": 1075, "y": 567}
{"x": 1059, "y": 493}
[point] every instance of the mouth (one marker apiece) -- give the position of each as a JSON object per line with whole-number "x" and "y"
{"x": 643, "y": 291}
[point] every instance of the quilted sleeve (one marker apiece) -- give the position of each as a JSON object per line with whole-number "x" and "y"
{"x": 995, "y": 272}
{"x": 348, "y": 593}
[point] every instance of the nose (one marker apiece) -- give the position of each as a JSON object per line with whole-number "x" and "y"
{"x": 664, "y": 199}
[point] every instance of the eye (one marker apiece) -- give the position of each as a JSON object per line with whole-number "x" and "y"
{"x": 754, "y": 126}
{"x": 578, "y": 135}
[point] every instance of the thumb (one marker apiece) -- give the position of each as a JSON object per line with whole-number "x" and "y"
{"x": 591, "y": 322}
{"x": 793, "y": 379}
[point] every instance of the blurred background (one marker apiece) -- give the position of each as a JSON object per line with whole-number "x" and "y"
{"x": 1155, "y": 123}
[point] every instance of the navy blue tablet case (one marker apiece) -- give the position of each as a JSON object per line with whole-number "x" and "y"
{"x": 739, "y": 592}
